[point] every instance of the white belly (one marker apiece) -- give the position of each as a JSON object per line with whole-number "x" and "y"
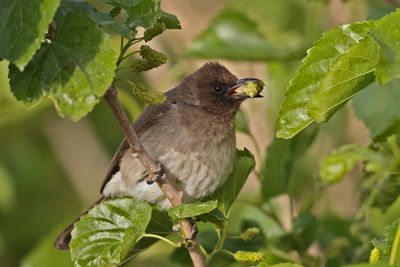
{"x": 200, "y": 168}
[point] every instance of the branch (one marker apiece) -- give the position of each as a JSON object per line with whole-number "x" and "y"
{"x": 155, "y": 170}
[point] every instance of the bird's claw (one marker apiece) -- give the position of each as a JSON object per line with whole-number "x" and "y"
{"x": 188, "y": 240}
{"x": 157, "y": 176}
{"x": 194, "y": 232}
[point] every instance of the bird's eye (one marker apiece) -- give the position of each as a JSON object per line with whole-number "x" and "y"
{"x": 218, "y": 89}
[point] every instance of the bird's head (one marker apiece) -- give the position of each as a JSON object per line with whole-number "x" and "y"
{"x": 215, "y": 88}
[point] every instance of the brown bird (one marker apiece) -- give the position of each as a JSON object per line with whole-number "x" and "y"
{"x": 192, "y": 134}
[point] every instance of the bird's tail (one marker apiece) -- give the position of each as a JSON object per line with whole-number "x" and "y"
{"x": 63, "y": 239}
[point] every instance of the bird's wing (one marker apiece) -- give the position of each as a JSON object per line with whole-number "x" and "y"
{"x": 150, "y": 116}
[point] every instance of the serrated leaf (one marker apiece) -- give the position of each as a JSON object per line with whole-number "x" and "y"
{"x": 294, "y": 115}
{"x": 232, "y": 35}
{"x": 376, "y": 116}
{"x": 109, "y": 231}
{"x": 191, "y": 210}
{"x": 143, "y": 13}
{"x": 342, "y": 160}
{"x": 74, "y": 70}
{"x": 387, "y": 34}
{"x": 279, "y": 162}
{"x": 170, "y": 20}
{"x": 227, "y": 194}
{"x": 352, "y": 72}
{"x": 23, "y": 25}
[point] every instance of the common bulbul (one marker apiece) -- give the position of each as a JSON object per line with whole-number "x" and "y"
{"x": 192, "y": 134}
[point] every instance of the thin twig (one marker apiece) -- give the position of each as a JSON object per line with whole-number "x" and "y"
{"x": 156, "y": 172}
{"x": 166, "y": 240}
{"x": 130, "y": 54}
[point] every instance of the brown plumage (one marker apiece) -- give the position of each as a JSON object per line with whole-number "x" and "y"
{"x": 192, "y": 134}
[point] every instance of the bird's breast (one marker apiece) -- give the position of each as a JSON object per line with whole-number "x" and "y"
{"x": 200, "y": 159}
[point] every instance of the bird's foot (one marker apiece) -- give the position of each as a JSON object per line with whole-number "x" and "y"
{"x": 188, "y": 240}
{"x": 157, "y": 175}
{"x": 194, "y": 232}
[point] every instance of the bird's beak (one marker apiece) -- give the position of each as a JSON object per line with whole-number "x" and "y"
{"x": 246, "y": 88}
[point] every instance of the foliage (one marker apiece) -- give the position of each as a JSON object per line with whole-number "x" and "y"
{"x": 74, "y": 64}
{"x": 339, "y": 65}
{"x": 105, "y": 235}
{"x": 72, "y": 70}
{"x": 19, "y": 41}
{"x": 387, "y": 249}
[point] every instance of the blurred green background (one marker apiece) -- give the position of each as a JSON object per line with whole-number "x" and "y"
{"x": 51, "y": 168}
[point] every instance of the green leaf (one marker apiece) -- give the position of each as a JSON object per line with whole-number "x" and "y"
{"x": 191, "y": 210}
{"x": 108, "y": 22}
{"x": 279, "y": 162}
{"x": 44, "y": 254}
{"x": 232, "y": 35}
{"x": 23, "y": 25}
{"x": 385, "y": 245}
{"x": 351, "y": 73}
{"x": 215, "y": 216}
{"x": 317, "y": 65}
{"x": 342, "y": 160}
{"x": 160, "y": 224}
{"x": 226, "y": 195}
{"x": 143, "y": 13}
{"x": 170, "y": 20}
{"x": 386, "y": 34}
{"x": 103, "y": 19}
{"x": 241, "y": 122}
{"x": 376, "y": 116}
{"x": 109, "y": 231}
{"x": 74, "y": 70}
